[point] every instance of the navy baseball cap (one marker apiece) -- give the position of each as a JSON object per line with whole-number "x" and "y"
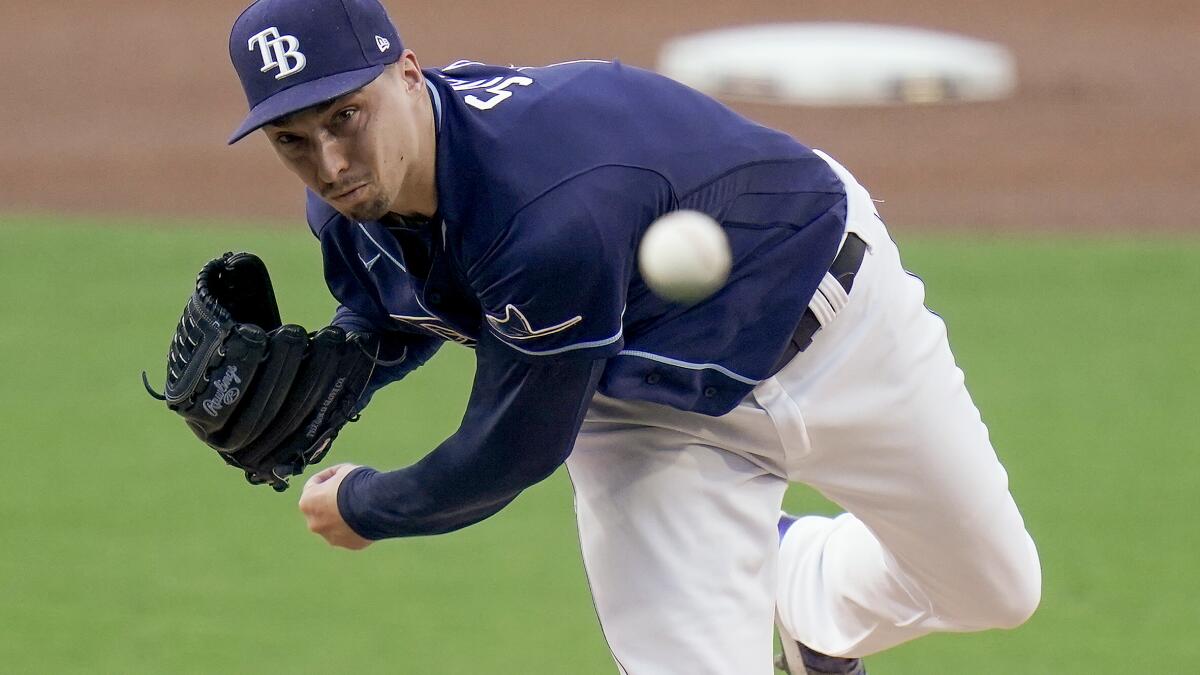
{"x": 292, "y": 54}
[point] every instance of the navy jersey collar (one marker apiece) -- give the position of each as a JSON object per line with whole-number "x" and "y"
{"x": 437, "y": 104}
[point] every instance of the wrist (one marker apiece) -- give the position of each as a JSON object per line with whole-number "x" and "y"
{"x": 351, "y": 496}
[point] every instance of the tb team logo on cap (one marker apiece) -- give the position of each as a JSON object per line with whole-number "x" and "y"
{"x": 278, "y": 51}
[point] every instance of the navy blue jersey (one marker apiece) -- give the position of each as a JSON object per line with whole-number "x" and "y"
{"x": 546, "y": 179}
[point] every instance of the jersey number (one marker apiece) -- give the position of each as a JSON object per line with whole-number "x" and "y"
{"x": 498, "y": 90}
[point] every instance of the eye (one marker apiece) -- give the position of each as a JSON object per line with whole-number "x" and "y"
{"x": 286, "y": 139}
{"x": 345, "y": 115}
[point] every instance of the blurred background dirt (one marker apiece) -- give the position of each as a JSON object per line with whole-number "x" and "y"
{"x": 123, "y": 107}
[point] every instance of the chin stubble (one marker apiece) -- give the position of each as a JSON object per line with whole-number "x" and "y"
{"x": 372, "y": 210}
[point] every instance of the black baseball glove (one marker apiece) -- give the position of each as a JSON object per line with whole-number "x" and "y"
{"x": 269, "y": 398}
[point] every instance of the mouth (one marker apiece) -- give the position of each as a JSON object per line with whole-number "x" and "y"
{"x": 339, "y": 196}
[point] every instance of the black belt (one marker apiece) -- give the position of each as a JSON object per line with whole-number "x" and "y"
{"x": 844, "y": 268}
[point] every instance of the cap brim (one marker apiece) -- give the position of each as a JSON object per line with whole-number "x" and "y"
{"x": 305, "y": 95}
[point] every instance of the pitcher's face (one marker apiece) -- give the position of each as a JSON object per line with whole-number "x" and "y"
{"x": 361, "y": 151}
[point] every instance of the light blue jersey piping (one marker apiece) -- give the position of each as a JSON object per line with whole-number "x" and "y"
{"x": 690, "y": 366}
{"x": 560, "y": 350}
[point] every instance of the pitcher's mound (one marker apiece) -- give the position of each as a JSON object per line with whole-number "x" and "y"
{"x": 839, "y": 64}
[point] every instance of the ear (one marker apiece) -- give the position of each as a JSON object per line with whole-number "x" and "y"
{"x": 410, "y": 72}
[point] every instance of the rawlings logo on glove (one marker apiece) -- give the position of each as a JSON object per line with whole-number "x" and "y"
{"x": 226, "y": 394}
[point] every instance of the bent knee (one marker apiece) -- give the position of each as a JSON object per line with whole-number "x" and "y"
{"x": 1013, "y": 594}
{"x": 1000, "y": 591}
{"x": 1013, "y": 606}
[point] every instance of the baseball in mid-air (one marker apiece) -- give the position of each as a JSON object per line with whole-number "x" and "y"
{"x": 684, "y": 256}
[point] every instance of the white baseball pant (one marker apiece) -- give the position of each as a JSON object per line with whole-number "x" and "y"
{"x": 677, "y": 511}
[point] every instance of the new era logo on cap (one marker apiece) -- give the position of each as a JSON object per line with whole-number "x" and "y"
{"x": 382, "y": 43}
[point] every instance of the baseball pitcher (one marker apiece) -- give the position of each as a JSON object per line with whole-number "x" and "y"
{"x": 500, "y": 208}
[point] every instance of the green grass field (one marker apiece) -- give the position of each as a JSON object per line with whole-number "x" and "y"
{"x": 127, "y": 547}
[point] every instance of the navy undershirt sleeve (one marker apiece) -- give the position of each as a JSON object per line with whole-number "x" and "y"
{"x": 520, "y": 425}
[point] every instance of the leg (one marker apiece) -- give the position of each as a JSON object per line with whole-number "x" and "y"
{"x": 679, "y": 544}
{"x": 933, "y": 540}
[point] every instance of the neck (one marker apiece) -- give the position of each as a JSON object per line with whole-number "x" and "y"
{"x": 420, "y": 199}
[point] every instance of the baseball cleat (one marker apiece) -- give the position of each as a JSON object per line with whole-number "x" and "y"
{"x": 799, "y": 659}
{"x": 815, "y": 663}
{"x": 785, "y": 521}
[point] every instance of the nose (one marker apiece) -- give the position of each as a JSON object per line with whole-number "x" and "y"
{"x": 331, "y": 159}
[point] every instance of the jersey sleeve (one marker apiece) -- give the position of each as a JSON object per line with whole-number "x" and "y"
{"x": 519, "y": 426}
{"x": 555, "y": 282}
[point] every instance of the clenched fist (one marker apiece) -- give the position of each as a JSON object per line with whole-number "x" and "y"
{"x": 319, "y": 505}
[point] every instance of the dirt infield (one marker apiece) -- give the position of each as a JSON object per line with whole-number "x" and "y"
{"x": 123, "y": 106}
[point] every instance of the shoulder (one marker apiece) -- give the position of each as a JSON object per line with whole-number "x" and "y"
{"x": 510, "y": 100}
{"x": 468, "y": 76}
{"x": 550, "y": 96}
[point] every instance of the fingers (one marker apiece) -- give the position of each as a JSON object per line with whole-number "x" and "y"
{"x": 318, "y": 503}
{"x": 327, "y": 473}
{"x": 315, "y": 479}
